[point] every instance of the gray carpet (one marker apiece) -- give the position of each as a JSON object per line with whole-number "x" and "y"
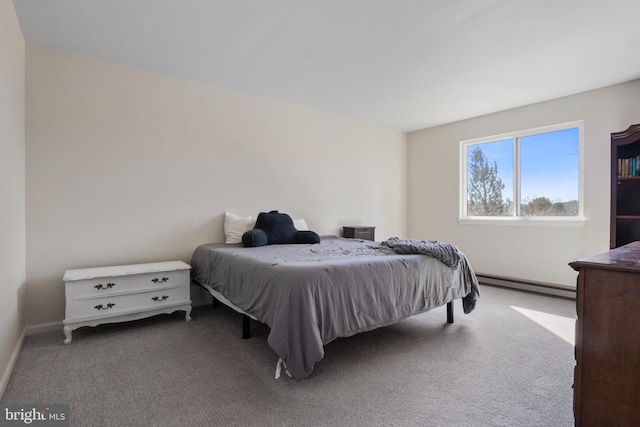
{"x": 493, "y": 367}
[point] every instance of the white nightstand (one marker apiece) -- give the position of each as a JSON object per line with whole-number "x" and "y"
{"x": 126, "y": 292}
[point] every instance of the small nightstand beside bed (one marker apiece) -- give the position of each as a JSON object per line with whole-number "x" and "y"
{"x": 311, "y": 294}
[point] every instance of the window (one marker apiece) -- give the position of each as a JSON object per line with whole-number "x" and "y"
{"x": 532, "y": 175}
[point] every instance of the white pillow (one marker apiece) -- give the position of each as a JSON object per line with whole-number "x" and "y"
{"x": 235, "y": 226}
{"x": 300, "y": 225}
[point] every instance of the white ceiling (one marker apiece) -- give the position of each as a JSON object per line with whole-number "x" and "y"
{"x": 401, "y": 64}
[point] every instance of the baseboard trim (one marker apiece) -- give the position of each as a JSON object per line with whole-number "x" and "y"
{"x": 530, "y": 286}
{"x": 12, "y": 362}
{"x": 44, "y": 327}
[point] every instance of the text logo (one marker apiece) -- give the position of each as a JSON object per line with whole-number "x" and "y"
{"x": 34, "y": 415}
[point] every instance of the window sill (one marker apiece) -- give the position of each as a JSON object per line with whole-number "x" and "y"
{"x": 525, "y": 221}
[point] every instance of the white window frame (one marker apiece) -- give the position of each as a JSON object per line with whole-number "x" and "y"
{"x": 514, "y": 219}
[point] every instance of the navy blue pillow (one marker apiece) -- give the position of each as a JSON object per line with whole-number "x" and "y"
{"x": 307, "y": 237}
{"x": 275, "y": 228}
{"x": 278, "y": 227}
{"x": 254, "y": 237}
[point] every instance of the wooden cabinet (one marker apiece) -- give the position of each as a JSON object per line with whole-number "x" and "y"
{"x": 607, "y": 372}
{"x": 126, "y": 292}
{"x": 359, "y": 232}
{"x": 625, "y": 187}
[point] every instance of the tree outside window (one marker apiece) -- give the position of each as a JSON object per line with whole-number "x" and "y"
{"x": 485, "y": 187}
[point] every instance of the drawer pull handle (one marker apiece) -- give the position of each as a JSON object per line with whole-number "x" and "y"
{"x": 101, "y": 307}
{"x": 162, "y": 298}
{"x": 156, "y": 280}
{"x": 107, "y": 286}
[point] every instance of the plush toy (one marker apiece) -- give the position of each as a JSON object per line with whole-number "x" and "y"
{"x": 275, "y": 228}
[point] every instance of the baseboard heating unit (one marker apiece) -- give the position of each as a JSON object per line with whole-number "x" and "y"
{"x": 539, "y": 287}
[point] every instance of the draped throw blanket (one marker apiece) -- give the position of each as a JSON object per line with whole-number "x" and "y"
{"x": 444, "y": 252}
{"x": 447, "y": 253}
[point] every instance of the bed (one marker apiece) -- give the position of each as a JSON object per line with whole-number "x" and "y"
{"x": 310, "y": 294}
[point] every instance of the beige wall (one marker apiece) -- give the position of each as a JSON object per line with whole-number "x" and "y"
{"x": 531, "y": 253}
{"x": 12, "y": 183}
{"x": 129, "y": 166}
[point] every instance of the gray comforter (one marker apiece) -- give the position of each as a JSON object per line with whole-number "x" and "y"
{"x": 444, "y": 252}
{"x": 310, "y": 295}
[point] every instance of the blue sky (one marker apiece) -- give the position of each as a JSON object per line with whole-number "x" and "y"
{"x": 549, "y": 164}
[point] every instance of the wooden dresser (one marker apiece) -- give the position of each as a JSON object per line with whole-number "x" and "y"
{"x": 359, "y": 232}
{"x": 607, "y": 372}
{"x": 125, "y": 292}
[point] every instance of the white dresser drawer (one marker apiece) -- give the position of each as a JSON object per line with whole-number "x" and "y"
{"x": 99, "y": 287}
{"x": 116, "y": 304}
{"x": 126, "y": 292}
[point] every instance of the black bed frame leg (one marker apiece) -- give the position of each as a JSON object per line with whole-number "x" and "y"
{"x": 450, "y": 312}
{"x": 246, "y": 327}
